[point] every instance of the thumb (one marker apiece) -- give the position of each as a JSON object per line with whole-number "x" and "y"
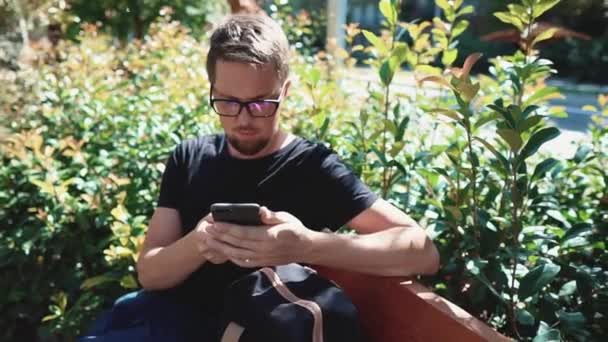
{"x": 268, "y": 217}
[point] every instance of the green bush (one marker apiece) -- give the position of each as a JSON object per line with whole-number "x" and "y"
{"x": 521, "y": 233}
{"x": 80, "y": 173}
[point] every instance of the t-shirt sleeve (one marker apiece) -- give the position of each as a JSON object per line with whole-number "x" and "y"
{"x": 344, "y": 195}
{"x": 172, "y": 183}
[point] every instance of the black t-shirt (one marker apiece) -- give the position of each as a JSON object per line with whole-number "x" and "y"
{"x": 303, "y": 178}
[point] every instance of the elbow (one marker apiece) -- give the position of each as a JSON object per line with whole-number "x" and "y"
{"x": 145, "y": 278}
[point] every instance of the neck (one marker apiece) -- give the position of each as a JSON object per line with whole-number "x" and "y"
{"x": 278, "y": 141}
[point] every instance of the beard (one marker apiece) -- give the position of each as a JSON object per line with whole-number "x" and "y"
{"x": 250, "y": 147}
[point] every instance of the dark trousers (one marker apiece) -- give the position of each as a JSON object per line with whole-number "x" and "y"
{"x": 152, "y": 316}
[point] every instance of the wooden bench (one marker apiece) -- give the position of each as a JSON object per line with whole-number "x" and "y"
{"x": 399, "y": 309}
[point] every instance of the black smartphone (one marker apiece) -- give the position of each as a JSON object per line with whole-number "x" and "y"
{"x": 238, "y": 213}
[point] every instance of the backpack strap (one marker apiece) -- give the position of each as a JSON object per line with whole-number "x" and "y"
{"x": 312, "y": 307}
{"x": 232, "y": 333}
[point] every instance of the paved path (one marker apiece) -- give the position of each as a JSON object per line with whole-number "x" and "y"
{"x": 574, "y": 128}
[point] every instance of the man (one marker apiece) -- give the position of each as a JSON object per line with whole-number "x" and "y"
{"x": 303, "y": 187}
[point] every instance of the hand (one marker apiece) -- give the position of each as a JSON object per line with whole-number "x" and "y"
{"x": 210, "y": 255}
{"x": 281, "y": 239}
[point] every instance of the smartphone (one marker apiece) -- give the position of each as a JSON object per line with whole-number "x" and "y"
{"x": 238, "y": 213}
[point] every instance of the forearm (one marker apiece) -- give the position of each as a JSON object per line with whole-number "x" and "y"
{"x": 165, "y": 267}
{"x": 399, "y": 251}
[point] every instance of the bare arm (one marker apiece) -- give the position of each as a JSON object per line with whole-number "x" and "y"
{"x": 167, "y": 258}
{"x": 390, "y": 244}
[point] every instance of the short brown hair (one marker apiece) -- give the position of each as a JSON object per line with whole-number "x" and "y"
{"x": 251, "y": 39}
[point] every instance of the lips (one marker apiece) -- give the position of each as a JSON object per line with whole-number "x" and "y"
{"x": 246, "y": 132}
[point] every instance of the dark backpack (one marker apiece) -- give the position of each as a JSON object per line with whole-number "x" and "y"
{"x": 289, "y": 303}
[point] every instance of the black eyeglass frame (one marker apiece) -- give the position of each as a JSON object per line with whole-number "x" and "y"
{"x": 245, "y": 104}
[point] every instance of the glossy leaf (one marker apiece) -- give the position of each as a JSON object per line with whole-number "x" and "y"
{"x": 542, "y": 6}
{"x": 537, "y": 278}
{"x": 546, "y": 34}
{"x": 543, "y": 94}
{"x": 449, "y": 56}
{"x": 503, "y": 161}
{"x": 511, "y": 137}
{"x": 509, "y": 18}
{"x": 537, "y": 140}
{"x": 378, "y": 43}
{"x": 388, "y": 11}
{"x": 459, "y": 28}
{"x": 543, "y": 167}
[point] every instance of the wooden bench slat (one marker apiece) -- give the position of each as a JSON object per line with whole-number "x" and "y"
{"x": 399, "y": 309}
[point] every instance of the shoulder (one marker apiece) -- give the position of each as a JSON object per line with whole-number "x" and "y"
{"x": 311, "y": 151}
{"x": 201, "y": 147}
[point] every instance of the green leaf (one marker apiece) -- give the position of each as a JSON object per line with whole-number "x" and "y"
{"x": 543, "y": 167}
{"x": 314, "y": 75}
{"x": 500, "y": 157}
{"x": 386, "y": 72}
{"x": 509, "y": 18}
{"x": 543, "y": 6}
{"x": 536, "y": 279}
{"x": 435, "y": 79}
{"x": 400, "y": 53}
{"x": 49, "y": 317}
{"x": 568, "y": 289}
{"x": 525, "y": 318}
{"x": 324, "y": 127}
{"x": 467, "y": 90}
{"x": 427, "y": 69}
{"x": 557, "y": 215}
{"x": 466, "y": 10}
{"x": 452, "y": 114}
{"x": 581, "y": 153}
{"x": 376, "y": 42}
{"x": 574, "y": 324}
{"x": 397, "y": 165}
{"x": 537, "y": 140}
{"x": 544, "y": 93}
{"x": 95, "y": 281}
{"x": 484, "y": 120}
{"x": 388, "y": 11}
{"x": 546, "y": 34}
{"x": 530, "y": 122}
{"x": 511, "y": 137}
{"x": 401, "y": 128}
{"x": 552, "y": 335}
{"x": 476, "y": 268}
{"x": 128, "y": 282}
{"x": 518, "y": 10}
{"x": 443, "y": 4}
{"x": 576, "y": 231}
{"x": 459, "y": 28}
{"x": 449, "y": 56}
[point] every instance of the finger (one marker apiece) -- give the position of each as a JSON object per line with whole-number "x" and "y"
{"x": 252, "y": 245}
{"x": 266, "y": 216}
{"x": 238, "y": 231}
{"x": 248, "y": 263}
{"x": 230, "y": 251}
{"x": 209, "y": 218}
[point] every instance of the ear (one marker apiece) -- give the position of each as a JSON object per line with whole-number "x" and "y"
{"x": 287, "y": 86}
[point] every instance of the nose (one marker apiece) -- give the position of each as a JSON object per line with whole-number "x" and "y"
{"x": 243, "y": 118}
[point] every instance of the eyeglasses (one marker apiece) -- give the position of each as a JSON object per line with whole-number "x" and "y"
{"x": 256, "y": 108}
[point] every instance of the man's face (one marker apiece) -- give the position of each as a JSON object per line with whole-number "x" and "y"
{"x": 238, "y": 81}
